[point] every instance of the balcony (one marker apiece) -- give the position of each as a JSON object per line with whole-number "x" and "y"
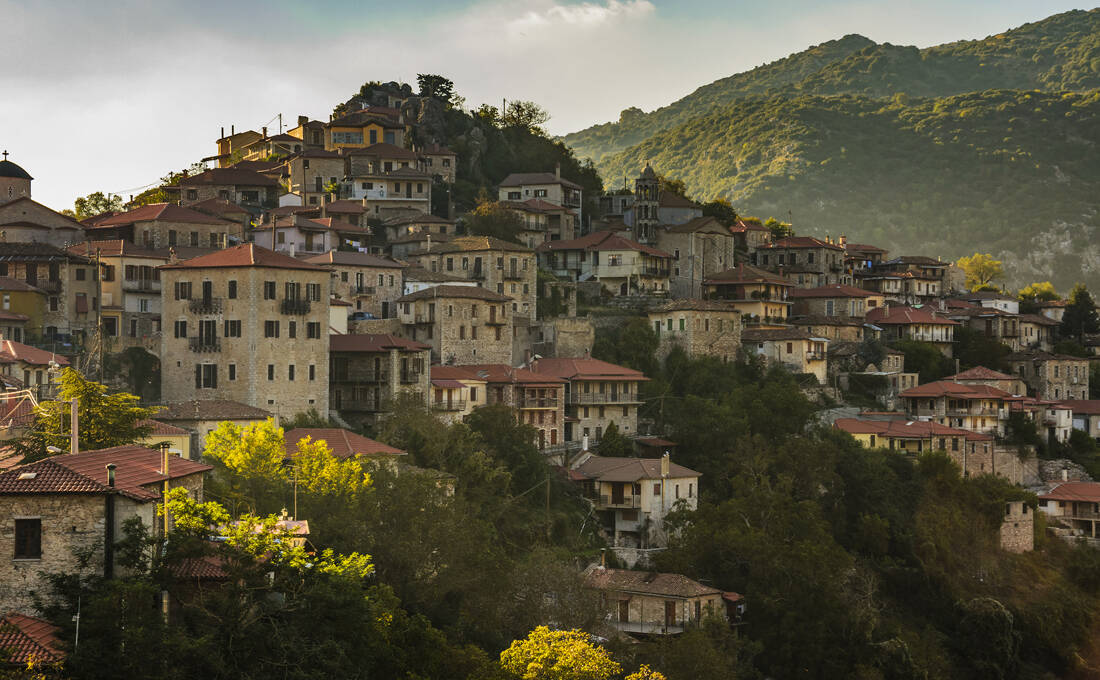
{"x": 410, "y": 377}
{"x": 602, "y": 398}
{"x": 625, "y": 502}
{"x": 477, "y": 275}
{"x": 423, "y": 318}
{"x": 48, "y": 286}
{"x": 656, "y": 271}
{"x": 512, "y": 275}
{"x": 362, "y": 290}
{"x": 538, "y": 402}
{"x": 815, "y": 356}
{"x": 204, "y": 345}
{"x": 141, "y": 285}
{"x": 450, "y": 405}
{"x": 291, "y": 306}
{"x": 205, "y": 306}
{"x": 358, "y": 405}
{"x": 372, "y": 377}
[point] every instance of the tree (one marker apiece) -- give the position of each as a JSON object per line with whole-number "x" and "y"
{"x": 104, "y": 419}
{"x": 925, "y": 359}
{"x": 778, "y": 229}
{"x": 721, "y": 210}
{"x": 490, "y": 218}
{"x": 673, "y": 186}
{"x": 1038, "y": 292}
{"x": 614, "y": 444}
{"x": 980, "y": 269}
{"x": 159, "y": 194}
{"x": 557, "y": 655}
{"x": 437, "y": 87}
{"x": 525, "y": 115}
{"x": 93, "y": 204}
{"x": 1080, "y": 317}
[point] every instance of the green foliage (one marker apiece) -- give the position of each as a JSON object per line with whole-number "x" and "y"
{"x": 779, "y": 230}
{"x": 525, "y": 115}
{"x": 1040, "y": 291}
{"x": 490, "y": 218}
{"x": 93, "y": 204}
{"x": 631, "y": 344}
{"x": 924, "y": 359}
{"x": 974, "y": 348}
{"x": 105, "y": 419}
{"x": 158, "y": 194}
{"x": 557, "y": 655}
{"x": 1081, "y": 317}
{"x": 437, "y": 87}
{"x": 613, "y": 444}
{"x": 309, "y": 418}
{"x": 721, "y": 210}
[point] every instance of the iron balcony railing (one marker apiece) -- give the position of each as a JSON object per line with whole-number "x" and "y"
{"x": 450, "y": 405}
{"x": 205, "y": 306}
{"x": 141, "y": 285}
{"x": 602, "y": 397}
{"x": 204, "y": 344}
{"x": 293, "y": 306}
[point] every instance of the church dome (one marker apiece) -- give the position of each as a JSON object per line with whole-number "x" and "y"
{"x": 647, "y": 172}
{"x": 9, "y": 169}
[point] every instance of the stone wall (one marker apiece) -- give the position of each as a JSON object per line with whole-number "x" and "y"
{"x": 996, "y": 459}
{"x": 1018, "y": 528}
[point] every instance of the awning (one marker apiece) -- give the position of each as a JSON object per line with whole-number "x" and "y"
{"x": 451, "y": 384}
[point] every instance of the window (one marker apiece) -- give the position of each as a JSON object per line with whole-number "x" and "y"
{"x": 133, "y": 328}
{"x": 269, "y": 290}
{"x": 313, "y": 292}
{"x": 348, "y": 137}
{"x": 232, "y": 328}
{"x": 181, "y": 329}
{"x": 28, "y": 539}
{"x": 195, "y": 239}
{"x": 290, "y": 373}
{"x": 657, "y": 489}
{"x": 232, "y": 371}
{"x": 80, "y": 274}
{"x": 192, "y": 194}
{"x": 514, "y": 196}
{"x": 143, "y": 305}
{"x": 292, "y": 329}
{"x": 271, "y": 371}
{"x": 790, "y": 347}
{"x": 206, "y": 376}
{"x": 183, "y": 290}
{"x": 313, "y": 330}
{"x": 232, "y": 290}
{"x": 312, "y": 372}
{"x": 271, "y": 329}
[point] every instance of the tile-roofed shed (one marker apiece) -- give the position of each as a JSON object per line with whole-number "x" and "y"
{"x": 244, "y": 255}
{"x": 647, "y": 583}
{"x": 344, "y": 443}
{"x": 1087, "y": 492}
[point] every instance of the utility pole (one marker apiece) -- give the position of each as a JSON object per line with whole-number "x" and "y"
{"x": 74, "y": 427}
{"x": 99, "y": 312}
{"x": 548, "y": 505}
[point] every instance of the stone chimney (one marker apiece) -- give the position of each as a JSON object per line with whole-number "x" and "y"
{"x": 263, "y": 131}
{"x": 302, "y": 120}
{"x": 557, "y": 170}
{"x": 172, "y": 259}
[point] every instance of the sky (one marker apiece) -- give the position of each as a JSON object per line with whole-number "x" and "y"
{"x": 110, "y": 96}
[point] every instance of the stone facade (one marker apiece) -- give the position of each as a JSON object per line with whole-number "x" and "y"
{"x": 821, "y": 261}
{"x": 370, "y": 283}
{"x": 699, "y": 327}
{"x": 565, "y": 337}
{"x": 28, "y": 221}
{"x": 367, "y": 372}
{"x": 699, "y": 248}
{"x": 68, "y": 280}
{"x": 496, "y": 265}
{"x": 1018, "y": 528}
{"x": 463, "y": 324}
{"x": 313, "y": 170}
{"x": 255, "y": 332}
{"x": 1052, "y": 376}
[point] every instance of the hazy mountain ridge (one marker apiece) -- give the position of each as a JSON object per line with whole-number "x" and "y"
{"x": 1060, "y": 52}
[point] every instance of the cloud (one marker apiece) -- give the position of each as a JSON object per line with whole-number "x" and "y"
{"x": 586, "y": 15}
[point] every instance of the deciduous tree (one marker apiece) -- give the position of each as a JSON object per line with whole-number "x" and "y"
{"x": 981, "y": 270}
{"x": 1080, "y": 317}
{"x": 557, "y": 655}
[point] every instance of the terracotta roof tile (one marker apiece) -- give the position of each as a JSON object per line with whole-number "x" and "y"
{"x": 646, "y": 582}
{"x": 980, "y": 373}
{"x": 25, "y": 638}
{"x": 156, "y": 427}
{"x": 237, "y": 176}
{"x": 836, "y": 290}
{"x": 949, "y": 388}
{"x": 744, "y": 273}
{"x": 344, "y": 443}
{"x": 445, "y": 291}
{"x": 168, "y": 212}
{"x": 611, "y": 469}
{"x": 373, "y": 342}
{"x": 585, "y": 369}
{"x": 601, "y": 240}
{"x": 29, "y": 355}
{"x": 476, "y": 243}
{"x": 801, "y": 242}
{"x": 517, "y": 179}
{"x": 244, "y": 255}
{"x": 903, "y": 316}
{"x": 353, "y": 258}
{"x": 1088, "y": 492}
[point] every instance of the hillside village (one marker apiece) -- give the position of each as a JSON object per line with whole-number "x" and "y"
{"x": 328, "y": 282}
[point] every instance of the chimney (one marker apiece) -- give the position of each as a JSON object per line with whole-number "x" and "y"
{"x": 264, "y": 131}
{"x": 232, "y": 130}
{"x": 223, "y": 133}
{"x": 584, "y": 443}
{"x": 557, "y": 170}
{"x": 603, "y": 558}
{"x": 109, "y": 525}
{"x": 302, "y": 120}
{"x": 364, "y": 201}
{"x": 324, "y": 206}
{"x": 1065, "y": 475}
{"x": 293, "y": 249}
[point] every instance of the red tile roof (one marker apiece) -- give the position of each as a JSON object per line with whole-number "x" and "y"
{"x": 168, "y": 212}
{"x": 219, "y": 206}
{"x": 384, "y": 150}
{"x": 741, "y": 226}
{"x": 344, "y": 443}
{"x": 949, "y": 388}
{"x": 903, "y": 316}
{"x": 229, "y": 176}
{"x": 611, "y": 469}
{"x": 476, "y": 243}
{"x": 647, "y": 582}
{"x": 17, "y": 351}
{"x": 25, "y": 638}
{"x": 156, "y": 427}
{"x": 904, "y": 429}
{"x": 81, "y": 473}
{"x": 245, "y": 255}
{"x": 373, "y": 342}
{"x": 601, "y": 240}
{"x": 585, "y": 369}
{"x": 345, "y": 207}
{"x": 980, "y": 373}
{"x": 743, "y": 273}
{"x": 517, "y": 179}
{"x": 211, "y": 409}
{"x": 445, "y": 291}
{"x": 116, "y": 248}
{"x": 18, "y": 286}
{"x": 668, "y": 199}
{"x": 497, "y": 373}
{"x": 1088, "y": 492}
{"x": 836, "y": 290}
{"x": 1083, "y": 406}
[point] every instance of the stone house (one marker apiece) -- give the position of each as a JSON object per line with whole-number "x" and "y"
{"x": 200, "y": 417}
{"x": 991, "y": 300}
{"x": 1037, "y": 332}
{"x": 35, "y": 368}
{"x": 130, "y": 292}
{"x": 597, "y": 394}
{"x": 402, "y": 247}
{"x": 760, "y": 296}
{"x": 24, "y": 220}
{"x": 54, "y": 508}
{"x": 622, "y": 266}
{"x": 543, "y": 221}
{"x": 415, "y": 222}
{"x": 793, "y": 348}
{"x": 370, "y": 282}
{"x": 699, "y": 247}
{"x": 993, "y": 323}
{"x": 823, "y": 260}
{"x": 22, "y": 306}
{"x": 439, "y": 161}
{"x": 311, "y": 172}
{"x": 837, "y": 300}
{"x": 1086, "y": 415}
{"x": 368, "y": 372}
{"x": 699, "y": 327}
{"x": 549, "y": 186}
{"x": 229, "y": 212}
{"x": 910, "y": 279}
{"x": 346, "y": 212}
{"x": 163, "y": 225}
{"x": 845, "y": 362}
{"x": 861, "y": 256}
{"x": 463, "y": 324}
{"x": 653, "y": 603}
{"x": 538, "y": 399}
{"x": 633, "y": 496}
{"x": 980, "y": 375}
{"x": 492, "y": 263}
{"x": 1052, "y": 376}
{"x": 750, "y": 236}
{"x": 248, "y": 189}
{"x": 912, "y": 323}
{"x": 231, "y": 146}
{"x": 69, "y": 282}
{"x": 977, "y": 407}
{"x": 456, "y": 393}
{"x": 252, "y": 326}
{"x": 389, "y": 179}
{"x": 298, "y": 235}
{"x": 834, "y": 328}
